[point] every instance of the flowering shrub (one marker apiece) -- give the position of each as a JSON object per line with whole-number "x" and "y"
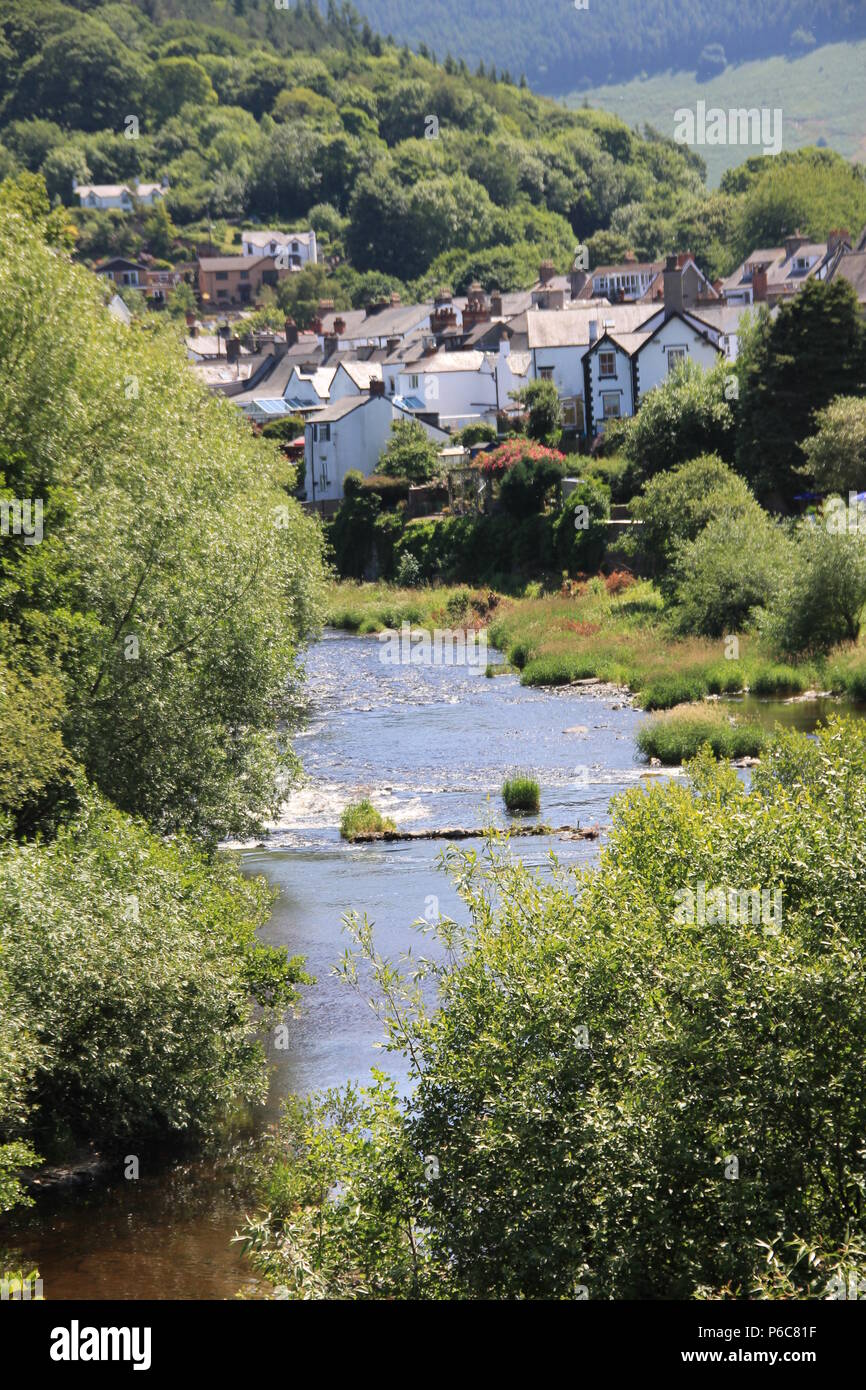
{"x": 618, "y": 581}
{"x": 514, "y": 451}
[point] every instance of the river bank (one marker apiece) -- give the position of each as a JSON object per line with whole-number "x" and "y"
{"x": 430, "y": 746}
{"x": 614, "y": 630}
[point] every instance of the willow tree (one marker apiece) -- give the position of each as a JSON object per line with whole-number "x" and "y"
{"x": 176, "y": 579}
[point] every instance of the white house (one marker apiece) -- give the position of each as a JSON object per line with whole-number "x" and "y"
{"x": 309, "y": 388}
{"x": 119, "y": 195}
{"x": 299, "y": 248}
{"x": 621, "y": 368}
{"x": 354, "y": 378}
{"x": 461, "y": 388}
{"x": 350, "y": 434}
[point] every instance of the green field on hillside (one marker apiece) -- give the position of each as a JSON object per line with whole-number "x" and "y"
{"x": 821, "y": 97}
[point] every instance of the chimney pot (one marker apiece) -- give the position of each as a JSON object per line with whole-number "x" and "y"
{"x": 377, "y": 386}
{"x": 291, "y": 333}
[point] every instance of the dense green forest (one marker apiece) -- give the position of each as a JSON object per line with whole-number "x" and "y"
{"x": 611, "y": 40}
{"x": 412, "y": 172}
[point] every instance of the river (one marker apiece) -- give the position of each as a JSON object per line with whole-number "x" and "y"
{"x": 431, "y": 747}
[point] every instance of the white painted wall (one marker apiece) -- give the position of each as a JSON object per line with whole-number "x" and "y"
{"x": 459, "y": 398}
{"x": 652, "y": 359}
{"x": 356, "y": 441}
{"x": 620, "y": 383}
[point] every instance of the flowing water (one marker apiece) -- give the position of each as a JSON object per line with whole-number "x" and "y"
{"x": 431, "y": 747}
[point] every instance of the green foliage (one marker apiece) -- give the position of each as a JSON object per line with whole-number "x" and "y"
{"x": 134, "y": 963}
{"x": 680, "y": 734}
{"x": 521, "y": 793}
{"x": 675, "y": 506}
{"x": 685, "y": 417}
{"x": 728, "y": 573}
{"x": 795, "y": 364}
{"x": 362, "y": 818}
{"x": 541, "y": 400}
{"x": 408, "y": 572}
{"x": 174, "y": 573}
{"x": 836, "y": 454}
{"x": 410, "y": 453}
{"x": 580, "y": 530}
{"x": 603, "y": 1044}
{"x": 821, "y": 590}
{"x": 529, "y": 485}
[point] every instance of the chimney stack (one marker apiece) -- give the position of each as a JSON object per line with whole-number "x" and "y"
{"x": 593, "y": 331}
{"x": 837, "y": 238}
{"x": 673, "y": 287}
{"x": 578, "y": 281}
{"x": 339, "y": 327}
{"x": 759, "y": 284}
{"x": 377, "y": 386}
{"x": 793, "y": 244}
{"x": 546, "y": 271}
{"x": 392, "y": 344}
{"x": 291, "y": 333}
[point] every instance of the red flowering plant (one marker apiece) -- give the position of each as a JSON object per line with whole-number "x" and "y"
{"x": 499, "y": 461}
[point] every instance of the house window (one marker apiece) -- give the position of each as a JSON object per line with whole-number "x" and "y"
{"x": 245, "y": 275}
{"x": 323, "y": 433}
{"x": 295, "y": 246}
{"x": 414, "y": 382}
{"x": 324, "y": 480}
{"x": 610, "y": 405}
{"x": 607, "y": 363}
{"x": 546, "y": 373}
{"x": 222, "y": 275}
{"x": 676, "y": 355}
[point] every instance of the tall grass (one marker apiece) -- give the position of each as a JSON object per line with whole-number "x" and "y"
{"x": 678, "y": 734}
{"x": 521, "y": 793}
{"x": 367, "y": 608}
{"x": 362, "y": 818}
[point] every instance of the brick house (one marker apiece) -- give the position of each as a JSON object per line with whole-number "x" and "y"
{"x": 236, "y": 280}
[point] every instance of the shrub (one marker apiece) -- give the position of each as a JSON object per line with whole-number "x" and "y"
{"x": 410, "y": 453}
{"x": 457, "y": 606}
{"x": 521, "y": 794}
{"x": 666, "y": 691}
{"x": 679, "y": 734}
{"x": 820, "y": 598}
{"x": 362, "y": 818}
{"x": 610, "y": 1038}
{"x": 408, "y": 571}
{"x": 836, "y": 453}
{"x": 579, "y": 529}
{"x": 135, "y": 964}
{"x": 727, "y": 574}
{"x": 528, "y": 485}
{"x": 497, "y": 462}
{"x": 675, "y": 506}
{"x": 686, "y": 416}
{"x": 616, "y": 473}
{"x": 618, "y": 582}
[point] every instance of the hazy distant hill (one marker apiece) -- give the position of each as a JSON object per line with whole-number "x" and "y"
{"x": 820, "y": 95}
{"x": 560, "y": 47}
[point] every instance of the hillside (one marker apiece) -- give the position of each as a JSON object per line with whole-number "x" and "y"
{"x": 820, "y": 94}
{"x": 562, "y": 47}
{"x": 413, "y": 173}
